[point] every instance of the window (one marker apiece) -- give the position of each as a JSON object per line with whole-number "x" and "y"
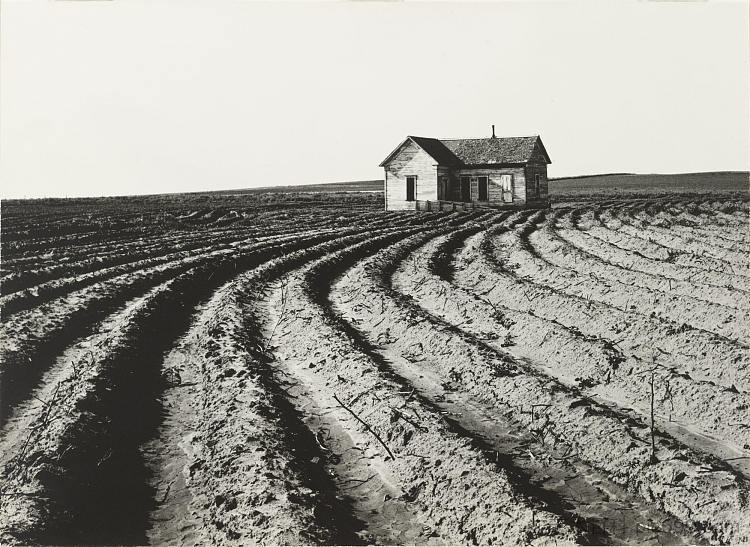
{"x": 507, "y": 182}
{"x": 507, "y": 186}
{"x": 482, "y": 181}
{"x": 411, "y": 183}
{"x": 536, "y": 184}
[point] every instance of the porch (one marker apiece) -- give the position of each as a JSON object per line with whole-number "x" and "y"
{"x": 443, "y": 205}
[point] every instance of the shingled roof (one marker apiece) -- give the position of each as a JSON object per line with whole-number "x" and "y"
{"x": 468, "y": 152}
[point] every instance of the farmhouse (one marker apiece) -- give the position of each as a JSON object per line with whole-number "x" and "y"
{"x": 437, "y": 174}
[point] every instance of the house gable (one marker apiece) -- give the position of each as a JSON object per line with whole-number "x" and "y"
{"x": 409, "y": 160}
{"x": 432, "y": 147}
{"x": 539, "y": 154}
{"x": 409, "y": 156}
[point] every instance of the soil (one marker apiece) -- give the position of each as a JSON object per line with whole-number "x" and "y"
{"x": 321, "y": 372}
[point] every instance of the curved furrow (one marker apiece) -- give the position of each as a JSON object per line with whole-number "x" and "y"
{"x": 714, "y": 239}
{"x": 81, "y": 468}
{"x": 569, "y": 228}
{"x": 563, "y": 256}
{"x": 33, "y": 339}
{"x": 731, "y": 209}
{"x": 80, "y": 259}
{"x": 242, "y": 476}
{"x": 258, "y": 370}
{"x": 436, "y": 483}
{"x": 722, "y": 233}
{"x": 478, "y": 272}
{"x": 551, "y": 473}
{"x": 35, "y": 295}
{"x": 145, "y": 237}
{"x": 127, "y": 257}
{"x": 43, "y": 293}
{"x": 702, "y": 355}
{"x": 527, "y": 263}
{"x": 628, "y": 238}
{"x": 689, "y": 217}
{"x": 727, "y": 211}
{"x": 132, "y": 253}
{"x": 608, "y": 440}
{"x": 597, "y": 366}
{"x": 660, "y": 229}
{"x": 618, "y": 249}
{"x": 17, "y": 243}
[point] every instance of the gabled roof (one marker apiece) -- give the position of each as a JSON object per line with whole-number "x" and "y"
{"x": 438, "y": 150}
{"x": 467, "y": 152}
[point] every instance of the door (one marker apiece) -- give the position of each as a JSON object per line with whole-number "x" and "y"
{"x": 411, "y": 183}
{"x": 465, "y": 189}
{"x": 506, "y": 182}
{"x": 443, "y": 188}
{"x": 482, "y": 190}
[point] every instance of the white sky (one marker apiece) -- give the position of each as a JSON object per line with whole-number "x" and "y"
{"x": 132, "y": 97}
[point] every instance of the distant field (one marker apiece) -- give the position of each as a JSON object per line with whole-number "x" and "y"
{"x": 626, "y": 185}
{"x": 632, "y": 185}
{"x": 352, "y": 186}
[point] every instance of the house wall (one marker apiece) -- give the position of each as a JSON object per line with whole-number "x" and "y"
{"x": 533, "y": 169}
{"x": 411, "y": 160}
{"x": 495, "y": 188}
{"x": 444, "y": 189}
{"x": 537, "y": 165}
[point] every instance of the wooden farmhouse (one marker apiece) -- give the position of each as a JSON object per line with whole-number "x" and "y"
{"x": 454, "y": 174}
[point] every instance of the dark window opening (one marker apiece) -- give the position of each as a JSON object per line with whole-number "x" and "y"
{"x": 536, "y": 184}
{"x": 411, "y": 183}
{"x": 482, "y": 181}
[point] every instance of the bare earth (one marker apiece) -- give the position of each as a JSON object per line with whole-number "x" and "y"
{"x": 323, "y": 372}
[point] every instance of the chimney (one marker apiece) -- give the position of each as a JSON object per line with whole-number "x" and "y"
{"x": 493, "y": 131}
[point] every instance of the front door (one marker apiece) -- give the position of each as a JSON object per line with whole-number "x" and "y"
{"x": 443, "y": 188}
{"x": 482, "y": 190}
{"x": 465, "y": 189}
{"x": 410, "y": 184}
{"x": 506, "y": 181}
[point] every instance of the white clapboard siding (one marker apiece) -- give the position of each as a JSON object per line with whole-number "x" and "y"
{"x": 410, "y": 161}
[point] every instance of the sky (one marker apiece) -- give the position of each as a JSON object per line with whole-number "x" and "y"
{"x": 135, "y": 97}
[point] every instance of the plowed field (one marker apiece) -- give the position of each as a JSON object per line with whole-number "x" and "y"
{"x": 320, "y": 372}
